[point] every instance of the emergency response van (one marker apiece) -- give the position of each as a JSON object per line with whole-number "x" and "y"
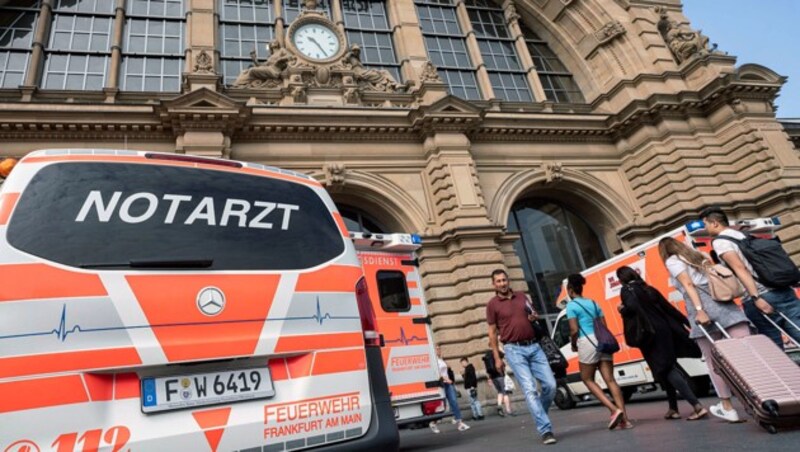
{"x": 409, "y": 356}
{"x": 631, "y": 371}
{"x": 167, "y": 302}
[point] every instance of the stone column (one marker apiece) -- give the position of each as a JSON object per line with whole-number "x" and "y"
{"x": 36, "y": 63}
{"x": 512, "y": 19}
{"x": 201, "y": 59}
{"x": 336, "y": 15}
{"x": 113, "y": 82}
{"x": 408, "y": 40}
{"x": 458, "y": 258}
{"x": 474, "y": 51}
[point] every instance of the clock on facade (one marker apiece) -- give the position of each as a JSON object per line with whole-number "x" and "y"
{"x": 316, "y": 41}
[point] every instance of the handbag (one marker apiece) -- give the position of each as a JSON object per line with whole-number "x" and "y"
{"x": 508, "y": 384}
{"x": 606, "y": 342}
{"x": 723, "y": 284}
{"x": 556, "y": 359}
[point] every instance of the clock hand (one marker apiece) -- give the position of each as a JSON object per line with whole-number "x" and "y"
{"x": 318, "y": 46}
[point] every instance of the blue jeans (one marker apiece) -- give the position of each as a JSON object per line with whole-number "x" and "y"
{"x": 528, "y": 363}
{"x": 475, "y": 406}
{"x": 450, "y": 393}
{"x": 782, "y": 300}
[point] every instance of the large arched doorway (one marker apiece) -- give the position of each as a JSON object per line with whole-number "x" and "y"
{"x": 555, "y": 241}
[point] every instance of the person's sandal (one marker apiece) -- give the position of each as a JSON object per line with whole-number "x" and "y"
{"x": 698, "y": 414}
{"x": 672, "y": 414}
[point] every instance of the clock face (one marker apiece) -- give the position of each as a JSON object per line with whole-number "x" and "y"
{"x": 316, "y": 41}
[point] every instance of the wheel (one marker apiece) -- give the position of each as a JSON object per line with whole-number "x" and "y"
{"x": 563, "y": 399}
{"x": 770, "y": 428}
{"x": 628, "y": 392}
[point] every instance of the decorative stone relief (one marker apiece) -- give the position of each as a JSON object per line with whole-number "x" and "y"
{"x": 609, "y": 31}
{"x": 553, "y": 172}
{"x": 511, "y": 13}
{"x": 430, "y": 74}
{"x": 204, "y": 63}
{"x": 335, "y": 174}
{"x": 369, "y": 79}
{"x": 270, "y": 73}
{"x": 683, "y": 42}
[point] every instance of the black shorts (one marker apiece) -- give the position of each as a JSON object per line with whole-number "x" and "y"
{"x": 500, "y": 385}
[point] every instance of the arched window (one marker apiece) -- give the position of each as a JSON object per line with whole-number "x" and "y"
{"x": 357, "y": 220}
{"x": 557, "y": 81}
{"x": 554, "y": 242}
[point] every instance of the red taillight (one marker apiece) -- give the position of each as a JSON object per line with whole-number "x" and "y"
{"x": 192, "y": 159}
{"x": 432, "y": 407}
{"x": 368, "y": 323}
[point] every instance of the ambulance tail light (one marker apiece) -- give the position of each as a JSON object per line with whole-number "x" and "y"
{"x": 432, "y": 407}
{"x": 372, "y": 338}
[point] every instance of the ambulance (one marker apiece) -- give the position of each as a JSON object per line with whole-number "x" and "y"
{"x": 631, "y": 371}
{"x": 164, "y": 302}
{"x": 391, "y": 269}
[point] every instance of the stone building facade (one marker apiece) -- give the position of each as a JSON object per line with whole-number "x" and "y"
{"x": 541, "y": 136}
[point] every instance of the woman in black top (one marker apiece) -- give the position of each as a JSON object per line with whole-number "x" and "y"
{"x": 660, "y": 331}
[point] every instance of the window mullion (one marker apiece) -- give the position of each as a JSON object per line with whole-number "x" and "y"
{"x": 36, "y": 62}
{"x": 475, "y": 51}
{"x": 116, "y": 45}
{"x": 512, "y": 19}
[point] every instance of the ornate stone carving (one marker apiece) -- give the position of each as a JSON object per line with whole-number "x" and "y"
{"x": 430, "y": 74}
{"x": 369, "y": 79}
{"x": 609, "y": 31}
{"x": 352, "y": 95}
{"x": 683, "y": 42}
{"x": 511, "y": 13}
{"x": 204, "y": 63}
{"x": 270, "y": 73}
{"x": 335, "y": 174}
{"x": 553, "y": 172}
{"x": 299, "y": 94}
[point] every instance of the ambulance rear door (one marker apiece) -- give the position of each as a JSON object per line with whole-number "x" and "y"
{"x": 391, "y": 269}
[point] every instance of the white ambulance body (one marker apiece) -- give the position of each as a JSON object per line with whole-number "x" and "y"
{"x": 631, "y": 371}
{"x": 409, "y": 356}
{"x": 163, "y": 302}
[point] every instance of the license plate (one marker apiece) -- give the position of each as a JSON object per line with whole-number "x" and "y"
{"x": 193, "y": 390}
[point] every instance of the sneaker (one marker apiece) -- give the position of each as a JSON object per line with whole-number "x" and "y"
{"x": 501, "y": 413}
{"x": 548, "y": 438}
{"x": 512, "y": 413}
{"x": 462, "y": 427}
{"x": 616, "y": 418}
{"x": 434, "y": 428}
{"x": 480, "y": 418}
{"x": 453, "y": 421}
{"x": 624, "y": 425}
{"x": 720, "y": 412}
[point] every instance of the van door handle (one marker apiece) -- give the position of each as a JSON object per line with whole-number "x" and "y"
{"x": 421, "y": 320}
{"x": 412, "y": 263}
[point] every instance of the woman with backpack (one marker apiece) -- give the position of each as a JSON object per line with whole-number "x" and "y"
{"x": 684, "y": 265}
{"x": 582, "y": 313}
{"x": 660, "y": 331}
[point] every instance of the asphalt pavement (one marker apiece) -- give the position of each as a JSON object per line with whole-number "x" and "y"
{"x": 585, "y": 428}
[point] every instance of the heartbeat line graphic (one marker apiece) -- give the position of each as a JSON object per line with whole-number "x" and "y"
{"x": 62, "y": 331}
{"x": 403, "y": 339}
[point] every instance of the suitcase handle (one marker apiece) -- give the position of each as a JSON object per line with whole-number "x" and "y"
{"x": 781, "y": 329}
{"x": 708, "y": 336}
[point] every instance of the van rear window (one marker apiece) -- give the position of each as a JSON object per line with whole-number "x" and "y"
{"x": 121, "y": 215}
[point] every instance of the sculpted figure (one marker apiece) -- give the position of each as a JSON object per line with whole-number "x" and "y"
{"x": 683, "y": 42}
{"x": 271, "y": 69}
{"x": 377, "y": 79}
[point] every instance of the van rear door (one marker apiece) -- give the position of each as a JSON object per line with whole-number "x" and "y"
{"x": 392, "y": 273}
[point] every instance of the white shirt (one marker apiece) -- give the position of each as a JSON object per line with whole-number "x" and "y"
{"x": 676, "y": 266}
{"x": 442, "y": 368}
{"x": 726, "y": 246}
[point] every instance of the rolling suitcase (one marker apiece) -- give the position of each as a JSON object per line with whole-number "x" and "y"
{"x": 762, "y": 376}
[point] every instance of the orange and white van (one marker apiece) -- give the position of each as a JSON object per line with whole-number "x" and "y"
{"x": 166, "y": 302}
{"x": 631, "y": 371}
{"x": 409, "y": 355}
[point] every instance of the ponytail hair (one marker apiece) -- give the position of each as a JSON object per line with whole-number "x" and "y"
{"x": 575, "y": 282}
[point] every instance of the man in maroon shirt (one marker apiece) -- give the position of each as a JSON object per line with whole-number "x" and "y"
{"x": 510, "y": 314}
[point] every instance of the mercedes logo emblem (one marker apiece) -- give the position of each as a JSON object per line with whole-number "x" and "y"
{"x": 210, "y": 301}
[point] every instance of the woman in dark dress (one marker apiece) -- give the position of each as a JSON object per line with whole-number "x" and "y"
{"x": 660, "y": 331}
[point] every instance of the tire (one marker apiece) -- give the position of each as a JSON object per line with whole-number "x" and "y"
{"x": 564, "y": 399}
{"x": 628, "y": 392}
